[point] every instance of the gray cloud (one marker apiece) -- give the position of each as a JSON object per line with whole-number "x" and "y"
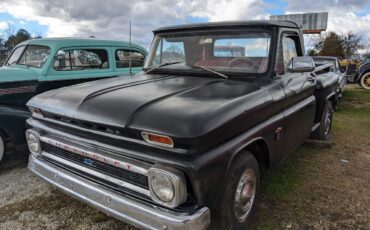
{"x": 110, "y": 19}
{"x": 325, "y": 5}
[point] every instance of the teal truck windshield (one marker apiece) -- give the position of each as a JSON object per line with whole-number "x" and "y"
{"x": 246, "y": 52}
{"x": 13, "y": 59}
{"x": 35, "y": 56}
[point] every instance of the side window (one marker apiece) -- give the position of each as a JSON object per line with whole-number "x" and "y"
{"x": 123, "y": 58}
{"x": 81, "y": 59}
{"x": 287, "y": 50}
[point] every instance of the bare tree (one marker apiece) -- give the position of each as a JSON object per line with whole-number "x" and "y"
{"x": 351, "y": 44}
{"x": 10, "y": 31}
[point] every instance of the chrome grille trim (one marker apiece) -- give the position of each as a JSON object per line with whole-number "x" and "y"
{"x": 96, "y": 174}
{"x": 126, "y": 164}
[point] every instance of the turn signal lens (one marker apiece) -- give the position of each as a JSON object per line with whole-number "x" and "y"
{"x": 36, "y": 112}
{"x": 157, "y": 139}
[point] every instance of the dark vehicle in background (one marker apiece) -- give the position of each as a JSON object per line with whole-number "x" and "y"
{"x": 183, "y": 145}
{"x": 334, "y": 72}
{"x": 362, "y": 76}
{"x": 38, "y": 65}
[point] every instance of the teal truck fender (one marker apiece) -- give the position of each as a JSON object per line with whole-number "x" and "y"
{"x": 12, "y": 127}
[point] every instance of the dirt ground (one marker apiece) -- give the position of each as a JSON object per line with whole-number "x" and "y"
{"x": 315, "y": 188}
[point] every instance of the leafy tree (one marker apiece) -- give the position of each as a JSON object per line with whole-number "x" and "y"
{"x": 332, "y": 45}
{"x": 15, "y": 39}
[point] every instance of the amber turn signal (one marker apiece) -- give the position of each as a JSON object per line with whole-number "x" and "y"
{"x": 36, "y": 112}
{"x": 157, "y": 139}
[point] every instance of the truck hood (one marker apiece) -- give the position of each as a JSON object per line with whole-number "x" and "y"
{"x": 17, "y": 73}
{"x": 178, "y": 106}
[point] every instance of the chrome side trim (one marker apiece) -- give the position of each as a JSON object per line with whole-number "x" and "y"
{"x": 137, "y": 213}
{"x": 126, "y": 164}
{"x": 315, "y": 126}
{"x": 97, "y": 174}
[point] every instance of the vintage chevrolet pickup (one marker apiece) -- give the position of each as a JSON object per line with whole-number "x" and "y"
{"x": 38, "y": 65}
{"x": 182, "y": 145}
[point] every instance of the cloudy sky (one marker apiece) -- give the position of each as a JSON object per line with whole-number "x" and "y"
{"x": 109, "y": 18}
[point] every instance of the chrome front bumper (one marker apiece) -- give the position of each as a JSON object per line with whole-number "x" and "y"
{"x": 133, "y": 212}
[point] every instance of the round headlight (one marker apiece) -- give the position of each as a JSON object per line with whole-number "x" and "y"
{"x": 162, "y": 187}
{"x": 33, "y": 142}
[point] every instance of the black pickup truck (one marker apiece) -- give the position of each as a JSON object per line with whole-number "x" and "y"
{"x": 182, "y": 145}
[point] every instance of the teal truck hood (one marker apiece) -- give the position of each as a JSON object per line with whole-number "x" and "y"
{"x": 10, "y": 74}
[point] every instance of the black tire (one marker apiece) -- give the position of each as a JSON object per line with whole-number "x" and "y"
{"x": 365, "y": 80}
{"x": 323, "y": 132}
{"x": 245, "y": 163}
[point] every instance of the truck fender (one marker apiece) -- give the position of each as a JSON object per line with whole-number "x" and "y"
{"x": 333, "y": 98}
{"x": 262, "y": 156}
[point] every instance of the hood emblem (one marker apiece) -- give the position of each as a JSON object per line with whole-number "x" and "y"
{"x": 88, "y": 162}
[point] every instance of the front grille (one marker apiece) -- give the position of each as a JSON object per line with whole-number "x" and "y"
{"x": 119, "y": 173}
{"x": 84, "y": 124}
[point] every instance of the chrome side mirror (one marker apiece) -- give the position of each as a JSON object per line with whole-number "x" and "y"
{"x": 301, "y": 64}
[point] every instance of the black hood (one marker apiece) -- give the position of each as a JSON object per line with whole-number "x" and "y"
{"x": 178, "y": 106}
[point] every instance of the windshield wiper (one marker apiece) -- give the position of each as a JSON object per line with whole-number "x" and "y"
{"x": 212, "y": 71}
{"x": 164, "y": 64}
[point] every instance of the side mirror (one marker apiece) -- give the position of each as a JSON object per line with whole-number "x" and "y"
{"x": 301, "y": 64}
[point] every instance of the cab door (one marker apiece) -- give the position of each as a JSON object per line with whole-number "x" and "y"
{"x": 300, "y": 104}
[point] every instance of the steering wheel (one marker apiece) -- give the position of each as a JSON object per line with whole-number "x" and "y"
{"x": 242, "y": 62}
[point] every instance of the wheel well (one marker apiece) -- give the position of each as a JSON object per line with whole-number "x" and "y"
{"x": 2, "y": 133}
{"x": 8, "y": 142}
{"x": 333, "y": 99}
{"x": 260, "y": 151}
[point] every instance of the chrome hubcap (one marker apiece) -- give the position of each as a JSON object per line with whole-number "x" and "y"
{"x": 244, "y": 195}
{"x": 327, "y": 123}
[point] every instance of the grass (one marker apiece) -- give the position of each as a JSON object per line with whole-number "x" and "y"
{"x": 281, "y": 187}
{"x": 279, "y": 184}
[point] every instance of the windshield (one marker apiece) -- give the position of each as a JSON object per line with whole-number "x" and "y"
{"x": 242, "y": 52}
{"x": 14, "y": 57}
{"x": 35, "y": 56}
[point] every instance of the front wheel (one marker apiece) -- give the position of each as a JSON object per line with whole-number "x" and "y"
{"x": 241, "y": 192}
{"x": 365, "y": 80}
{"x": 324, "y": 130}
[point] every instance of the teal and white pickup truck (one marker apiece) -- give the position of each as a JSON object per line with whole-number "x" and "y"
{"x": 40, "y": 65}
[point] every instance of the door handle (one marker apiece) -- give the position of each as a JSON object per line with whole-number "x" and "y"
{"x": 311, "y": 79}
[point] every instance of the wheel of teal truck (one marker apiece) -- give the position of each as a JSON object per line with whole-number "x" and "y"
{"x": 2, "y": 148}
{"x": 365, "y": 81}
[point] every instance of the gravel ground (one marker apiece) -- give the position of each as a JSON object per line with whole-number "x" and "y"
{"x": 316, "y": 188}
